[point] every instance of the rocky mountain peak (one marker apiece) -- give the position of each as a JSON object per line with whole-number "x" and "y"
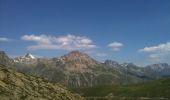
{"x": 4, "y": 59}
{"x": 159, "y": 66}
{"x": 111, "y": 63}
{"x": 76, "y": 53}
{"x": 27, "y": 58}
{"x": 127, "y": 64}
{"x": 78, "y": 56}
{"x": 78, "y": 60}
{"x": 29, "y": 55}
{"x": 2, "y": 53}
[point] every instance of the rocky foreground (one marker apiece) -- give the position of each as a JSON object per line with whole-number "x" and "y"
{"x": 18, "y": 86}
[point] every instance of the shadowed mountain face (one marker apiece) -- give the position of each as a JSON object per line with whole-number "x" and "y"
{"x": 77, "y": 69}
{"x": 19, "y": 86}
{"x": 159, "y": 70}
{"x": 4, "y": 59}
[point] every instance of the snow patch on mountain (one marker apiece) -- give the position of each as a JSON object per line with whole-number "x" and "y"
{"x": 25, "y": 58}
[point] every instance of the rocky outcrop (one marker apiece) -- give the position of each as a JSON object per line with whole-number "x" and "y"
{"x": 19, "y": 86}
{"x": 4, "y": 59}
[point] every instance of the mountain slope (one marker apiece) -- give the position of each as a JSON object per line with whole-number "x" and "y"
{"x": 4, "y": 59}
{"x": 151, "y": 90}
{"x": 17, "y": 86}
{"x": 158, "y": 70}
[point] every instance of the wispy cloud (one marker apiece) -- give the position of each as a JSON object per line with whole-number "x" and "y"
{"x": 157, "y": 53}
{"x": 68, "y": 42}
{"x": 115, "y": 46}
{"x": 4, "y": 39}
{"x": 159, "y": 48}
{"x": 42, "y": 39}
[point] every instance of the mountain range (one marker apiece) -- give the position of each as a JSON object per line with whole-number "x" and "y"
{"x": 77, "y": 69}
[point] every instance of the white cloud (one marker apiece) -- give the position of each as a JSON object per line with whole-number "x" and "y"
{"x": 4, "y": 39}
{"x": 115, "y": 46}
{"x": 158, "y": 53}
{"x": 42, "y": 39}
{"x": 68, "y": 42}
{"x": 159, "y": 48}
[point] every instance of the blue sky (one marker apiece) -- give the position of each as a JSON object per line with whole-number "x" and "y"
{"x": 136, "y": 31}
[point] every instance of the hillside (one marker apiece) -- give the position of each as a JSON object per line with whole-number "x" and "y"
{"x": 152, "y": 90}
{"x": 19, "y": 86}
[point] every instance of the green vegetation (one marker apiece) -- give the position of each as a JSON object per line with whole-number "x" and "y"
{"x": 152, "y": 90}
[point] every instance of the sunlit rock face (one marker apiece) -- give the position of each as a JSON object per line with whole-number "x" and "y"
{"x": 77, "y": 61}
